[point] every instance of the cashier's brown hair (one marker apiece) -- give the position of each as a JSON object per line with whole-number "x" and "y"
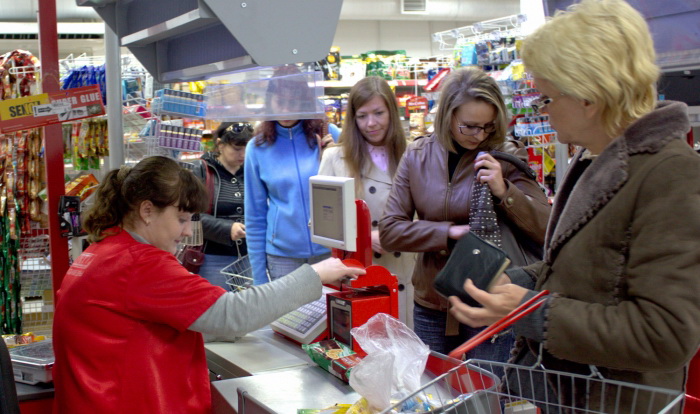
{"x": 158, "y": 179}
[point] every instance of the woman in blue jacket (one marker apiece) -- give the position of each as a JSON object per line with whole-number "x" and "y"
{"x": 278, "y": 164}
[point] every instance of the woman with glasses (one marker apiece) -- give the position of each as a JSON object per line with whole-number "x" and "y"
{"x": 371, "y": 145}
{"x": 223, "y": 223}
{"x": 622, "y": 255}
{"x": 435, "y": 180}
{"x": 279, "y": 162}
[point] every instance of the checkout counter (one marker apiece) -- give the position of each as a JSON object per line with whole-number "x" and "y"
{"x": 266, "y": 373}
{"x": 281, "y": 378}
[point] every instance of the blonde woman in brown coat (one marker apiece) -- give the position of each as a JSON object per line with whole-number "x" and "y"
{"x": 622, "y": 254}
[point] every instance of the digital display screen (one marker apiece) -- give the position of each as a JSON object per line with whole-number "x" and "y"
{"x": 341, "y": 325}
{"x": 328, "y": 212}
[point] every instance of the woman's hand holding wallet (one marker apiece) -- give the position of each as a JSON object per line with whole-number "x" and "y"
{"x": 496, "y": 304}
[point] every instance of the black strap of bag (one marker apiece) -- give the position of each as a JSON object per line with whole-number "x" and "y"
{"x": 522, "y": 250}
{"x": 517, "y": 162}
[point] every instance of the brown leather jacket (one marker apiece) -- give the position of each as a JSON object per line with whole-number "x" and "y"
{"x": 421, "y": 187}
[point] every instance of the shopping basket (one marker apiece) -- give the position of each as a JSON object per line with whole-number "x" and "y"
{"x": 534, "y": 389}
{"x": 475, "y": 397}
{"x": 239, "y": 274}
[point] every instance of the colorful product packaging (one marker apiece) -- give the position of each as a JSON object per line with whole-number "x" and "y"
{"x": 334, "y": 357}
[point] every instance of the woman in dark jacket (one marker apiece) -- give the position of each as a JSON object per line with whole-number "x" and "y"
{"x": 223, "y": 223}
{"x": 435, "y": 180}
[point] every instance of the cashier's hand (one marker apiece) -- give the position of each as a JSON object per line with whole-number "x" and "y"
{"x": 502, "y": 299}
{"x": 333, "y": 270}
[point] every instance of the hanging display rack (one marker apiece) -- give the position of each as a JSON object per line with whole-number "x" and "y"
{"x": 509, "y": 26}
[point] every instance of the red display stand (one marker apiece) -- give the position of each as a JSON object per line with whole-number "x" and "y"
{"x": 372, "y": 293}
{"x": 364, "y": 238}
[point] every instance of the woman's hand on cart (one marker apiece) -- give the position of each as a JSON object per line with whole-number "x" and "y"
{"x": 237, "y": 231}
{"x": 333, "y": 270}
{"x": 498, "y": 303}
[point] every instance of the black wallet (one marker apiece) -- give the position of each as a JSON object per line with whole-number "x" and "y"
{"x": 472, "y": 258}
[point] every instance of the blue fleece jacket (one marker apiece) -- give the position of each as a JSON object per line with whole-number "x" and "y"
{"x": 277, "y": 210}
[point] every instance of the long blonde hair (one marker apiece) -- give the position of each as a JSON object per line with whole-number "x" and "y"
{"x": 351, "y": 140}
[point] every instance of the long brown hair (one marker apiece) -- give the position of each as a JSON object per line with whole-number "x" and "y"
{"x": 353, "y": 143}
{"x": 157, "y": 179}
{"x": 266, "y": 132}
{"x": 467, "y": 85}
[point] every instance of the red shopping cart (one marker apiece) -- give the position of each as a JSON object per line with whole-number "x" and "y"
{"x": 531, "y": 389}
{"x": 692, "y": 396}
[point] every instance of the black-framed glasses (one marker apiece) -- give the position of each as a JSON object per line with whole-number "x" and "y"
{"x": 471, "y": 130}
{"x": 239, "y": 127}
{"x": 540, "y": 102}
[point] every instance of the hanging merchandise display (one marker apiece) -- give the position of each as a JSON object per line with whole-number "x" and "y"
{"x": 85, "y": 76}
{"x": 84, "y": 143}
{"x": 21, "y": 180}
{"x": 18, "y": 74}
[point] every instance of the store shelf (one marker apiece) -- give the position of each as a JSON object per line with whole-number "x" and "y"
{"x": 395, "y": 82}
{"x": 409, "y": 82}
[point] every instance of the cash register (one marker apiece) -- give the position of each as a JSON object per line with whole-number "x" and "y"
{"x": 342, "y": 223}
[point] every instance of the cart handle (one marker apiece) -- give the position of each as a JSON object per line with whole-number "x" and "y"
{"x": 512, "y": 317}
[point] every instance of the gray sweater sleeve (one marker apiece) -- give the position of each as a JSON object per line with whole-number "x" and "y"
{"x": 235, "y": 314}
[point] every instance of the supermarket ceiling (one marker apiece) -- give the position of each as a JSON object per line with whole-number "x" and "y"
{"x": 80, "y": 28}
{"x": 437, "y": 10}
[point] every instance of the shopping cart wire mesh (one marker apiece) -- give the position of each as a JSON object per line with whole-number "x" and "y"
{"x": 536, "y": 390}
{"x": 239, "y": 274}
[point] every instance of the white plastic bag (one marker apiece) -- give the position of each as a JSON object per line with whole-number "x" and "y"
{"x": 395, "y": 361}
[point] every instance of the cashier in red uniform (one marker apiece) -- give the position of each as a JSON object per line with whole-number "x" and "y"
{"x": 129, "y": 318}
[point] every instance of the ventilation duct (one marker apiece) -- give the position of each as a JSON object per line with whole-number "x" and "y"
{"x": 194, "y": 39}
{"x": 414, "y": 6}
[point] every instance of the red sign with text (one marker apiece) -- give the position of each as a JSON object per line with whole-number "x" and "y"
{"x": 416, "y": 104}
{"x": 63, "y": 106}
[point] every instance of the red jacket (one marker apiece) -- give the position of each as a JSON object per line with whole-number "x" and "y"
{"x": 120, "y": 332}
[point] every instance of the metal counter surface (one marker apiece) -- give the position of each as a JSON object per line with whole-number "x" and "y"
{"x": 284, "y": 387}
{"x": 284, "y": 391}
{"x": 256, "y": 353}
{"x": 273, "y": 370}
{"x": 26, "y": 392}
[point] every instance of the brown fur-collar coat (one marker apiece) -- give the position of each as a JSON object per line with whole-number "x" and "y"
{"x": 622, "y": 259}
